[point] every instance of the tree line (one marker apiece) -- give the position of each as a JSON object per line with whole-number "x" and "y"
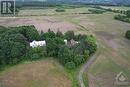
{"x": 125, "y": 16}
{"x": 14, "y": 46}
{"x": 97, "y": 11}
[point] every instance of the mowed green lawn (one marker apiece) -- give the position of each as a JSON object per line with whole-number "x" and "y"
{"x": 43, "y": 73}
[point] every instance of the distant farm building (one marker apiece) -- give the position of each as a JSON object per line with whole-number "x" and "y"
{"x": 72, "y": 42}
{"x": 37, "y": 44}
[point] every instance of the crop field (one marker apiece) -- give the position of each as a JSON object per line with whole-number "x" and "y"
{"x": 112, "y": 58}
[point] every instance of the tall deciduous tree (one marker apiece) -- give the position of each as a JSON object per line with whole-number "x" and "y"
{"x": 13, "y": 46}
{"x": 53, "y": 46}
{"x": 65, "y": 55}
{"x": 29, "y": 32}
{"x": 59, "y": 34}
{"x": 128, "y": 13}
{"x": 69, "y": 35}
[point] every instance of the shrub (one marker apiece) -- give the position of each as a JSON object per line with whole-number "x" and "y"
{"x": 128, "y": 13}
{"x": 96, "y": 11}
{"x": 109, "y": 9}
{"x": 70, "y": 65}
{"x": 35, "y": 56}
{"x": 78, "y": 60}
{"x": 41, "y": 51}
{"x": 86, "y": 54}
{"x": 60, "y": 10}
{"x": 127, "y": 35}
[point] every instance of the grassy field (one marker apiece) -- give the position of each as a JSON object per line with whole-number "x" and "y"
{"x": 43, "y": 73}
{"x": 114, "y": 56}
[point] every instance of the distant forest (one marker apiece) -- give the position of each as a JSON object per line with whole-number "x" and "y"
{"x": 57, "y": 2}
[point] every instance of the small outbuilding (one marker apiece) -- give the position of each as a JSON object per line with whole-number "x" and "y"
{"x": 71, "y": 43}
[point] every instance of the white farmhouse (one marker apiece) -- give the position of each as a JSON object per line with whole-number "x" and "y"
{"x": 37, "y": 43}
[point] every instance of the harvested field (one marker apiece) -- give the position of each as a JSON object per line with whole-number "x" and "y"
{"x": 41, "y": 23}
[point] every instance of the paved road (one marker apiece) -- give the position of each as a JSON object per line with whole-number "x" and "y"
{"x": 85, "y": 67}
